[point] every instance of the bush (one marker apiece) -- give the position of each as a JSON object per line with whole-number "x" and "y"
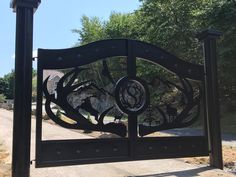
{"x": 2, "y": 98}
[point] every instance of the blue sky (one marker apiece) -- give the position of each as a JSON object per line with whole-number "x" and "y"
{"x": 53, "y": 22}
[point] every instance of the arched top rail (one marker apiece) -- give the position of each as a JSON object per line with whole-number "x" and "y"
{"x": 92, "y": 52}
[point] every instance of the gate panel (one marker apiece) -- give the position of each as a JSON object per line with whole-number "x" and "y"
{"x": 68, "y": 152}
{"x": 174, "y": 101}
{"x": 171, "y": 147}
{"x": 103, "y": 89}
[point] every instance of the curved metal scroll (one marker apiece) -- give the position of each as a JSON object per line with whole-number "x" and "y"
{"x": 180, "y": 109}
{"x": 132, "y": 94}
{"x": 65, "y": 87}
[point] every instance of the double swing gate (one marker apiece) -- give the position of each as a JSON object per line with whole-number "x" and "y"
{"x": 129, "y": 90}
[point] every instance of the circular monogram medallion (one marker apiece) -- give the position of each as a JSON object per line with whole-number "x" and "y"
{"x": 131, "y": 95}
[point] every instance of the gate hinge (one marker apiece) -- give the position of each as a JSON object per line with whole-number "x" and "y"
{"x": 31, "y": 162}
{"x": 33, "y": 58}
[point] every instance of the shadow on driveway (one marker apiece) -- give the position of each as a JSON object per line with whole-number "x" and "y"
{"x": 188, "y": 173}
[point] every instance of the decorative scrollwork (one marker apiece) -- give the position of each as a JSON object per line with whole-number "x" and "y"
{"x": 69, "y": 84}
{"x": 178, "y": 106}
{"x": 176, "y": 103}
{"x": 131, "y": 95}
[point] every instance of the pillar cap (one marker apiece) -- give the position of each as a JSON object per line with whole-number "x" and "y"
{"x": 25, "y": 3}
{"x": 208, "y": 33}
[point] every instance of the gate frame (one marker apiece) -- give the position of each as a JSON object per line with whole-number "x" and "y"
{"x": 69, "y": 152}
{"x": 24, "y": 10}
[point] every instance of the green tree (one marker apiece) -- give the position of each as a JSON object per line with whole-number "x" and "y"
{"x": 92, "y": 30}
{"x": 222, "y": 16}
{"x": 172, "y": 25}
{"x": 2, "y": 98}
{"x": 3, "y": 85}
{"x": 121, "y": 26}
{"x": 9, "y": 87}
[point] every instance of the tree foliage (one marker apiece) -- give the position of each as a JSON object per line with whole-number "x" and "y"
{"x": 2, "y": 98}
{"x": 121, "y": 26}
{"x": 222, "y": 16}
{"x": 7, "y": 85}
{"x": 172, "y": 25}
{"x": 92, "y": 30}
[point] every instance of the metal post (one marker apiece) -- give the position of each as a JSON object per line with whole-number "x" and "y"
{"x": 23, "y": 87}
{"x": 132, "y": 119}
{"x": 212, "y": 97}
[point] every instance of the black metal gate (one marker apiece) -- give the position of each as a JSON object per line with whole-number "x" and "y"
{"x": 105, "y": 88}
